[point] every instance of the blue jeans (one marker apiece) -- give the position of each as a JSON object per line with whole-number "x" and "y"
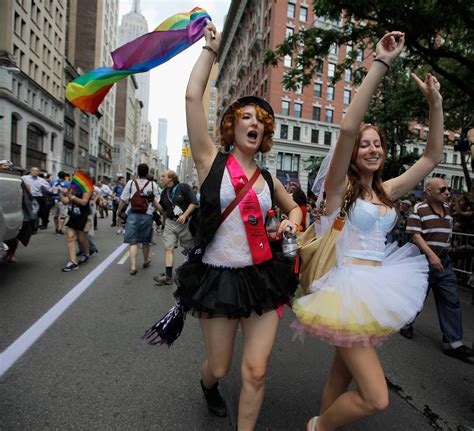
{"x": 92, "y": 246}
{"x": 446, "y": 293}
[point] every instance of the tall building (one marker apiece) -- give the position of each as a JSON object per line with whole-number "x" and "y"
{"x": 209, "y": 101}
{"x": 307, "y": 121}
{"x": 132, "y": 26}
{"x": 92, "y": 39}
{"x": 32, "y": 37}
{"x": 162, "y": 146}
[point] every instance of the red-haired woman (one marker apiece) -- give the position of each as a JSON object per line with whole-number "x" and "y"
{"x": 374, "y": 289}
{"x": 238, "y": 282}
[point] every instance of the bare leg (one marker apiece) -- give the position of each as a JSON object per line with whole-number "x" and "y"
{"x": 370, "y": 397}
{"x": 339, "y": 380}
{"x": 169, "y": 256}
{"x": 133, "y": 249}
{"x": 146, "y": 252}
{"x": 219, "y": 335}
{"x": 71, "y": 244}
{"x": 259, "y": 335}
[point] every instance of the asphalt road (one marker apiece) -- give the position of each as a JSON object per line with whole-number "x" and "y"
{"x": 90, "y": 370}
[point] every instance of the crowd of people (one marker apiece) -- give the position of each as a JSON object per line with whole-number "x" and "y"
{"x": 236, "y": 279}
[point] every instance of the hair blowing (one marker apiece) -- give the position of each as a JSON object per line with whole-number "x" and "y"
{"x": 360, "y": 190}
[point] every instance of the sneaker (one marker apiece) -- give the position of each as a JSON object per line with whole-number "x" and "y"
{"x": 463, "y": 353}
{"x": 71, "y": 266}
{"x": 119, "y": 231}
{"x": 163, "y": 280}
{"x": 59, "y": 232}
{"x": 91, "y": 253}
{"x": 83, "y": 259}
{"x": 113, "y": 224}
{"x": 215, "y": 403}
{"x": 43, "y": 227}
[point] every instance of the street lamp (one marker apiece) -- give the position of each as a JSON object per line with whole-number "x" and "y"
{"x": 7, "y": 62}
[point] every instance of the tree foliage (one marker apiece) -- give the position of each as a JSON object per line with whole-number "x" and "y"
{"x": 439, "y": 38}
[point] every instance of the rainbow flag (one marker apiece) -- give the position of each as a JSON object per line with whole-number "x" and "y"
{"x": 170, "y": 38}
{"x": 80, "y": 183}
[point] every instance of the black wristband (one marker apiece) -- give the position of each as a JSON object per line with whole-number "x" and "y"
{"x": 383, "y": 62}
{"x": 208, "y": 48}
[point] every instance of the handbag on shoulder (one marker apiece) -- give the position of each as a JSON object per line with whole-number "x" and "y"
{"x": 318, "y": 253}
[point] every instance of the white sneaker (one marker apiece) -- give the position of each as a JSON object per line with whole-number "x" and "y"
{"x": 119, "y": 231}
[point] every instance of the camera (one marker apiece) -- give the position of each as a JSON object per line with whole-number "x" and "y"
{"x": 148, "y": 196}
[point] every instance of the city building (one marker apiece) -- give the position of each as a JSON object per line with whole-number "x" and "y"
{"x": 307, "y": 120}
{"x": 92, "y": 36}
{"x": 126, "y": 151}
{"x": 186, "y": 170}
{"x": 210, "y": 100}
{"x": 32, "y": 42}
{"x": 162, "y": 145}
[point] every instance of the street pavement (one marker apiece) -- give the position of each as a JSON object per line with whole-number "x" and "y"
{"x": 91, "y": 371}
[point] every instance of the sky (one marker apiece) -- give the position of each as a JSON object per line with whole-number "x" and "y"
{"x": 168, "y": 81}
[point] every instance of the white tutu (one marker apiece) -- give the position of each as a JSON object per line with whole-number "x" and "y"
{"x": 360, "y": 305}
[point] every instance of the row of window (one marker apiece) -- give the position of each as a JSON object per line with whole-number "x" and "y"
{"x": 298, "y": 111}
{"x": 297, "y": 134}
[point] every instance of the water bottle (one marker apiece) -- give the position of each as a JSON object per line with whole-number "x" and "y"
{"x": 271, "y": 226}
{"x": 289, "y": 245}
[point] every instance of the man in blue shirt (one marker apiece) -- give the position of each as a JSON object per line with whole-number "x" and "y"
{"x": 116, "y": 193}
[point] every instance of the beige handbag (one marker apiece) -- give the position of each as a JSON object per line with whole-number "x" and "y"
{"x": 318, "y": 254}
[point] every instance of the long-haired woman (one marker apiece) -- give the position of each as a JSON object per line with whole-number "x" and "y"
{"x": 374, "y": 289}
{"x": 238, "y": 282}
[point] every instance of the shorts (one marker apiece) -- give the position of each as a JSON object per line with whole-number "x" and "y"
{"x": 174, "y": 232}
{"x": 60, "y": 210}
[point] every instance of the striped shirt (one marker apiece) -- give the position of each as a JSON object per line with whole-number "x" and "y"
{"x": 434, "y": 228}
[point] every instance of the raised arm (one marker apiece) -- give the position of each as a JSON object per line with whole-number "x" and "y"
{"x": 433, "y": 153}
{"x": 202, "y": 147}
{"x": 387, "y": 51}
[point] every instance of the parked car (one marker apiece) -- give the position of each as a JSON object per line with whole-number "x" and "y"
{"x": 11, "y": 214}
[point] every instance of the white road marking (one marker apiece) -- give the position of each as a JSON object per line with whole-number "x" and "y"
{"x": 26, "y": 340}
{"x": 124, "y": 258}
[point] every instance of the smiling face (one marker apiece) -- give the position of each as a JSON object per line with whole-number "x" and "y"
{"x": 369, "y": 154}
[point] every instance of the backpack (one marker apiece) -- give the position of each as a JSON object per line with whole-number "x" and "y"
{"x": 139, "y": 203}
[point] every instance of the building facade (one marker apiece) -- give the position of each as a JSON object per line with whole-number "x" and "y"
{"x": 32, "y": 95}
{"x": 162, "y": 145}
{"x": 307, "y": 121}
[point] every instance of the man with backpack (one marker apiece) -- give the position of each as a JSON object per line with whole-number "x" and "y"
{"x": 141, "y": 195}
{"x": 178, "y": 202}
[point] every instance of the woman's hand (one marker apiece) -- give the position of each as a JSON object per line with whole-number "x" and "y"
{"x": 390, "y": 46}
{"x": 212, "y": 36}
{"x": 429, "y": 87}
{"x": 287, "y": 226}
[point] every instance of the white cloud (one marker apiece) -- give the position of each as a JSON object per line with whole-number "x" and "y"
{"x": 168, "y": 81}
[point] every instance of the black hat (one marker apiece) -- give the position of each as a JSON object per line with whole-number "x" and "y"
{"x": 249, "y": 100}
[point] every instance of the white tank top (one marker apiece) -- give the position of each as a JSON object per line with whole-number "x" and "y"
{"x": 229, "y": 247}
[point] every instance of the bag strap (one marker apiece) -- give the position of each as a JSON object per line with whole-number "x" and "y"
{"x": 138, "y": 188}
{"x": 241, "y": 194}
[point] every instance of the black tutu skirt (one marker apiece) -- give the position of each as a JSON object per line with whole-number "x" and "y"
{"x": 206, "y": 291}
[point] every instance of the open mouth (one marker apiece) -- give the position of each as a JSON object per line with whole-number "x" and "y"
{"x": 252, "y": 135}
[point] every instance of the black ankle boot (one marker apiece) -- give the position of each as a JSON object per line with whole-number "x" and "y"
{"x": 215, "y": 402}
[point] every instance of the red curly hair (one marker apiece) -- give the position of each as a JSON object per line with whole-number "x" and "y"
{"x": 228, "y": 123}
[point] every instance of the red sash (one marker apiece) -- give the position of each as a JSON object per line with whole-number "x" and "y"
{"x": 251, "y": 214}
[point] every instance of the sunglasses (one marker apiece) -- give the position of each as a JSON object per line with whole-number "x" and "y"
{"x": 443, "y": 189}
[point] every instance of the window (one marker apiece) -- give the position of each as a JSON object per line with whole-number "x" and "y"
{"x": 348, "y": 50}
{"x": 303, "y": 13}
{"x": 327, "y": 138}
{"x": 333, "y": 49}
{"x": 290, "y": 12}
{"x": 330, "y": 94}
{"x": 317, "y": 89}
{"x": 331, "y": 70}
{"x": 298, "y": 110}
{"x": 314, "y": 136}
{"x": 296, "y": 133}
{"x": 296, "y": 163}
{"x": 289, "y": 31}
{"x": 285, "y": 107}
{"x": 360, "y": 54}
{"x": 319, "y": 67}
{"x": 347, "y": 97}
{"x": 284, "y": 131}
{"x": 348, "y": 75}
{"x": 455, "y": 159}
{"x": 329, "y": 115}
{"x": 316, "y": 113}
{"x": 299, "y": 88}
{"x": 287, "y": 61}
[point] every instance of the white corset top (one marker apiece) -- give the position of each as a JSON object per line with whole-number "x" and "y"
{"x": 369, "y": 224}
{"x": 229, "y": 247}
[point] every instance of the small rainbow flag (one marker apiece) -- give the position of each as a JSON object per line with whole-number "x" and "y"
{"x": 170, "y": 38}
{"x": 81, "y": 183}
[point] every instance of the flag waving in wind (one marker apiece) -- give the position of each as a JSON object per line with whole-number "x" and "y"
{"x": 170, "y": 38}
